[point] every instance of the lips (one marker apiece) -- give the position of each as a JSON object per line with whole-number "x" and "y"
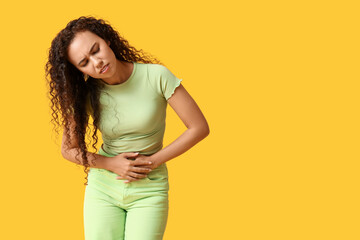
{"x": 105, "y": 68}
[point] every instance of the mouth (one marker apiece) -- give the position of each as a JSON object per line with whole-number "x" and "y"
{"x": 104, "y": 69}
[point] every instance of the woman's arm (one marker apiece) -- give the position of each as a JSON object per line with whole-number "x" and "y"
{"x": 70, "y": 152}
{"x": 120, "y": 164}
{"x": 197, "y": 127}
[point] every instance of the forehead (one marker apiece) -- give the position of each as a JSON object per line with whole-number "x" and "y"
{"x": 81, "y": 45}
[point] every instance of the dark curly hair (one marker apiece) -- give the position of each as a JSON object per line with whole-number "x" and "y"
{"x": 69, "y": 87}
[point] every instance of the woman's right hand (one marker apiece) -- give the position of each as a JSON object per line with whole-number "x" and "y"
{"x": 129, "y": 169}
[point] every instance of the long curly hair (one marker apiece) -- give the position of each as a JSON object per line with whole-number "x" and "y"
{"x": 69, "y": 87}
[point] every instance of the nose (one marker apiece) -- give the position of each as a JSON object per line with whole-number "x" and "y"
{"x": 98, "y": 63}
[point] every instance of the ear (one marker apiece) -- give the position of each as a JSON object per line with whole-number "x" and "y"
{"x": 108, "y": 42}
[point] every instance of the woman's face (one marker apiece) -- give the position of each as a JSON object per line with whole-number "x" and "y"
{"x": 92, "y": 55}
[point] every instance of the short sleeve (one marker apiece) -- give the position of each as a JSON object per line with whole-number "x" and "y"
{"x": 165, "y": 81}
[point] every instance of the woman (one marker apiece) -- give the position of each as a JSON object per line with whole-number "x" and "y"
{"x": 95, "y": 72}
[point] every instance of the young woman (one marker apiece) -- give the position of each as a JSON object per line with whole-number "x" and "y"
{"x": 95, "y": 72}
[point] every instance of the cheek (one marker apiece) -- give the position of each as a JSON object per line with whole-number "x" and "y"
{"x": 89, "y": 69}
{"x": 84, "y": 71}
{"x": 109, "y": 53}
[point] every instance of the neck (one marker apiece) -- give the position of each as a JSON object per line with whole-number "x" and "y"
{"x": 121, "y": 73}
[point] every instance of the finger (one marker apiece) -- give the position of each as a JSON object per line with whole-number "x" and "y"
{"x": 131, "y": 175}
{"x": 130, "y": 154}
{"x": 130, "y": 179}
{"x": 149, "y": 166}
{"x": 143, "y": 162}
{"x": 137, "y": 175}
{"x": 141, "y": 169}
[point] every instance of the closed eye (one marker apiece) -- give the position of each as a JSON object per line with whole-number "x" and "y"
{"x": 93, "y": 53}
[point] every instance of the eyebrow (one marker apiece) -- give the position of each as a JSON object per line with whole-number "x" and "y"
{"x": 89, "y": 52}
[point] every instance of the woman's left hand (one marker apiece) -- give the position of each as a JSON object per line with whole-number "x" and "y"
{"x": 146, "y": 158}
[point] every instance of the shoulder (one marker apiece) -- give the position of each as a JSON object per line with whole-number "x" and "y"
{"x": 154, "y": 68}
{"x": 160, "y": 72}
{"x": 162, "y": 80}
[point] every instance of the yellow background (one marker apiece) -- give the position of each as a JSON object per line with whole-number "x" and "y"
{"x": 278, "y": 82}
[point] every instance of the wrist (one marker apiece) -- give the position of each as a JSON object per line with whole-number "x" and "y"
{"x": 104, "y": 162}
{"x": 155, "y": 162}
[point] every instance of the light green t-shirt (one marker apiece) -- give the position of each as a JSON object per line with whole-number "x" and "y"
{"x": 133, "y": 113}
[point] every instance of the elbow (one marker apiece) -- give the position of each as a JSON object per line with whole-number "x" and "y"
{"x": 203, "y": 131}
{"x": 63, "y": 153}
{"x": 206, "y": 130}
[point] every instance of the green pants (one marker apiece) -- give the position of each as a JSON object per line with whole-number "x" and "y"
{"x": 114, "y": 210}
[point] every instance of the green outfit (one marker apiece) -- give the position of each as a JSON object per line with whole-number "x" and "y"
{"x": 132, "y": 120}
